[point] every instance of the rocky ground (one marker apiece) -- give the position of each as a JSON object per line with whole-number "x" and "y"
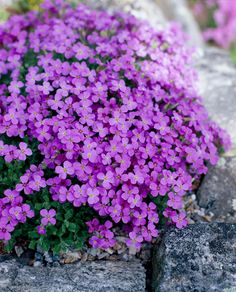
{"x": 198, "y": 258}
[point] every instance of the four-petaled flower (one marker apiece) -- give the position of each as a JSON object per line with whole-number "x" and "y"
{"x": 48, "y": 217}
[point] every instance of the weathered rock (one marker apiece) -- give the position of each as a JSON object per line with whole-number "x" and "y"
{"x": 5, "y": 3}
{"x": 142, "y": 9}
{"x": 217, "y": 85}
{"x": 91, "y": 276}
{"x": 179, "y": 11}
{"x": 200, "y": 258}
{"x": 218, "y": 190}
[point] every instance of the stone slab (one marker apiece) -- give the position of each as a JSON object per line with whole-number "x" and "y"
{"x": 97, "y": 276}
{"x": 218, "y": 190}
{"x": 178, "y": 11}
{"x": 146, "y": 10}
{"x": 200, "y": 258}
{"x": 217, "y": 86}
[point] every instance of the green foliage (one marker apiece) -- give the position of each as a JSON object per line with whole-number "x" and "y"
{"x": 70, "y": 229}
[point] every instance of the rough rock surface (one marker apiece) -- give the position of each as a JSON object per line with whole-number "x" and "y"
{"x": 179, "y": 11}
{"x": 90, "y": 276}
{"x": 217, "y": 85}
{"x": 142, "y": 9}
{"x": 200, "y": 258}
{"x": 218, "y": 190}
{"x": 5, "y": 2}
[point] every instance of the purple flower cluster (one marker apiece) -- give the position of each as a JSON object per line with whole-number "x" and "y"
{"x": 224, "y": 15}
{"x": 10, "y": 152}
{"x": 13, "y": 212}
{"x": 102, "y": 237}
{"x": 112, "y": 104}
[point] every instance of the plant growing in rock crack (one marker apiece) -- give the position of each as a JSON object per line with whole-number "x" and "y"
{"x": 100, "y": 127}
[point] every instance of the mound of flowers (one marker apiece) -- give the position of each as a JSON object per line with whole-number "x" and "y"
{"x": 100, "y": 127}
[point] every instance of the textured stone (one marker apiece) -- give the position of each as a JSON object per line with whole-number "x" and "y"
{"x": 200, "y": 258}
{"x": 91, "y": 276}
{"x": 5, "y": 2}
{"x": 179, "y": 11}
{"x": 142, "y": 9}
{"x": 218, "y": 190}
{"x": 217, "y": 85}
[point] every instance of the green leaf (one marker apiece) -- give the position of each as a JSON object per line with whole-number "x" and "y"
{"x": 62, "y": 230}
{"x": 46, "y": 205}
{"x": 32, "y": 244}
{"x": 51, "y": 230}
{"x": 59, "y": 217}
{"x": 69, "y": 214}
{"x": 57, "y": 248}
{"x": 44, "y": 243}
{"x": 79, "y": 244}
{"x": 33, "y": 234}
{"x": 10, "y": 245}
{"x": 72, "y": 227}
{"x": 38, "y": 206}
{"x": 66, "y": 223}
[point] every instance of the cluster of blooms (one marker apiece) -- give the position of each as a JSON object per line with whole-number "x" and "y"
{"x": 12, "y": 206}
{"x": 113, "y": 105}
{"x": 224, "y": 15}
{"x": 11, "y": 152}
{"x": 103, "y": 237}
{"x": 13, "y": 211}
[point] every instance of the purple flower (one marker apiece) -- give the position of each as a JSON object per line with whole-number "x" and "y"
{"x": 107, "y": 179}
{"x": 37, "y": 182}
{"x": 26, "y": 212}
{"x": 16, "y": 212}
{"x": 93, "y": 196}
{"x": 41, "y": 229}
{"x": 66, "y": 169}
{"x": 23, "y": 151}
{"x": 46, "y": 87}
{"x": 5, "y": 229}
{"x": 174, "y": 201}
{"x": 11, "y": 116}
{"x": 180, "y": 220}
{"x": 48, "y": 217}
{"x": 15, "y": 86}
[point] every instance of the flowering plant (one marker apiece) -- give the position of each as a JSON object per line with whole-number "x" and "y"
{"x": 101, "y": 126}
{"x": 220, "y": 22}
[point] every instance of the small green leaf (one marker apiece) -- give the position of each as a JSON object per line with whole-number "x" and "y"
{"x": 33, "y": 234}
{"x": 57, "y": 248}
{"x": 32, "y": 244}
{"x": 46, "y": 205}
{"x": 72, "y": 227}
{"x": 59, "y": 217}
{"x": 69, "y": 214}
{"x": 44, "y": 243}
{"x": 38, "y": 206}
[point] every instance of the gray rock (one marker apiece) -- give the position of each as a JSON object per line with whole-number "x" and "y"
{"x": 5, "y": 3}
{"x": 200, "y": 258}
{"x": 91, "y": 276}
{"x": 218, "y": 190}
{"x": 217, "y": 85}
{"x": 142, "y": 9}
{"x": 179, "y": 11}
